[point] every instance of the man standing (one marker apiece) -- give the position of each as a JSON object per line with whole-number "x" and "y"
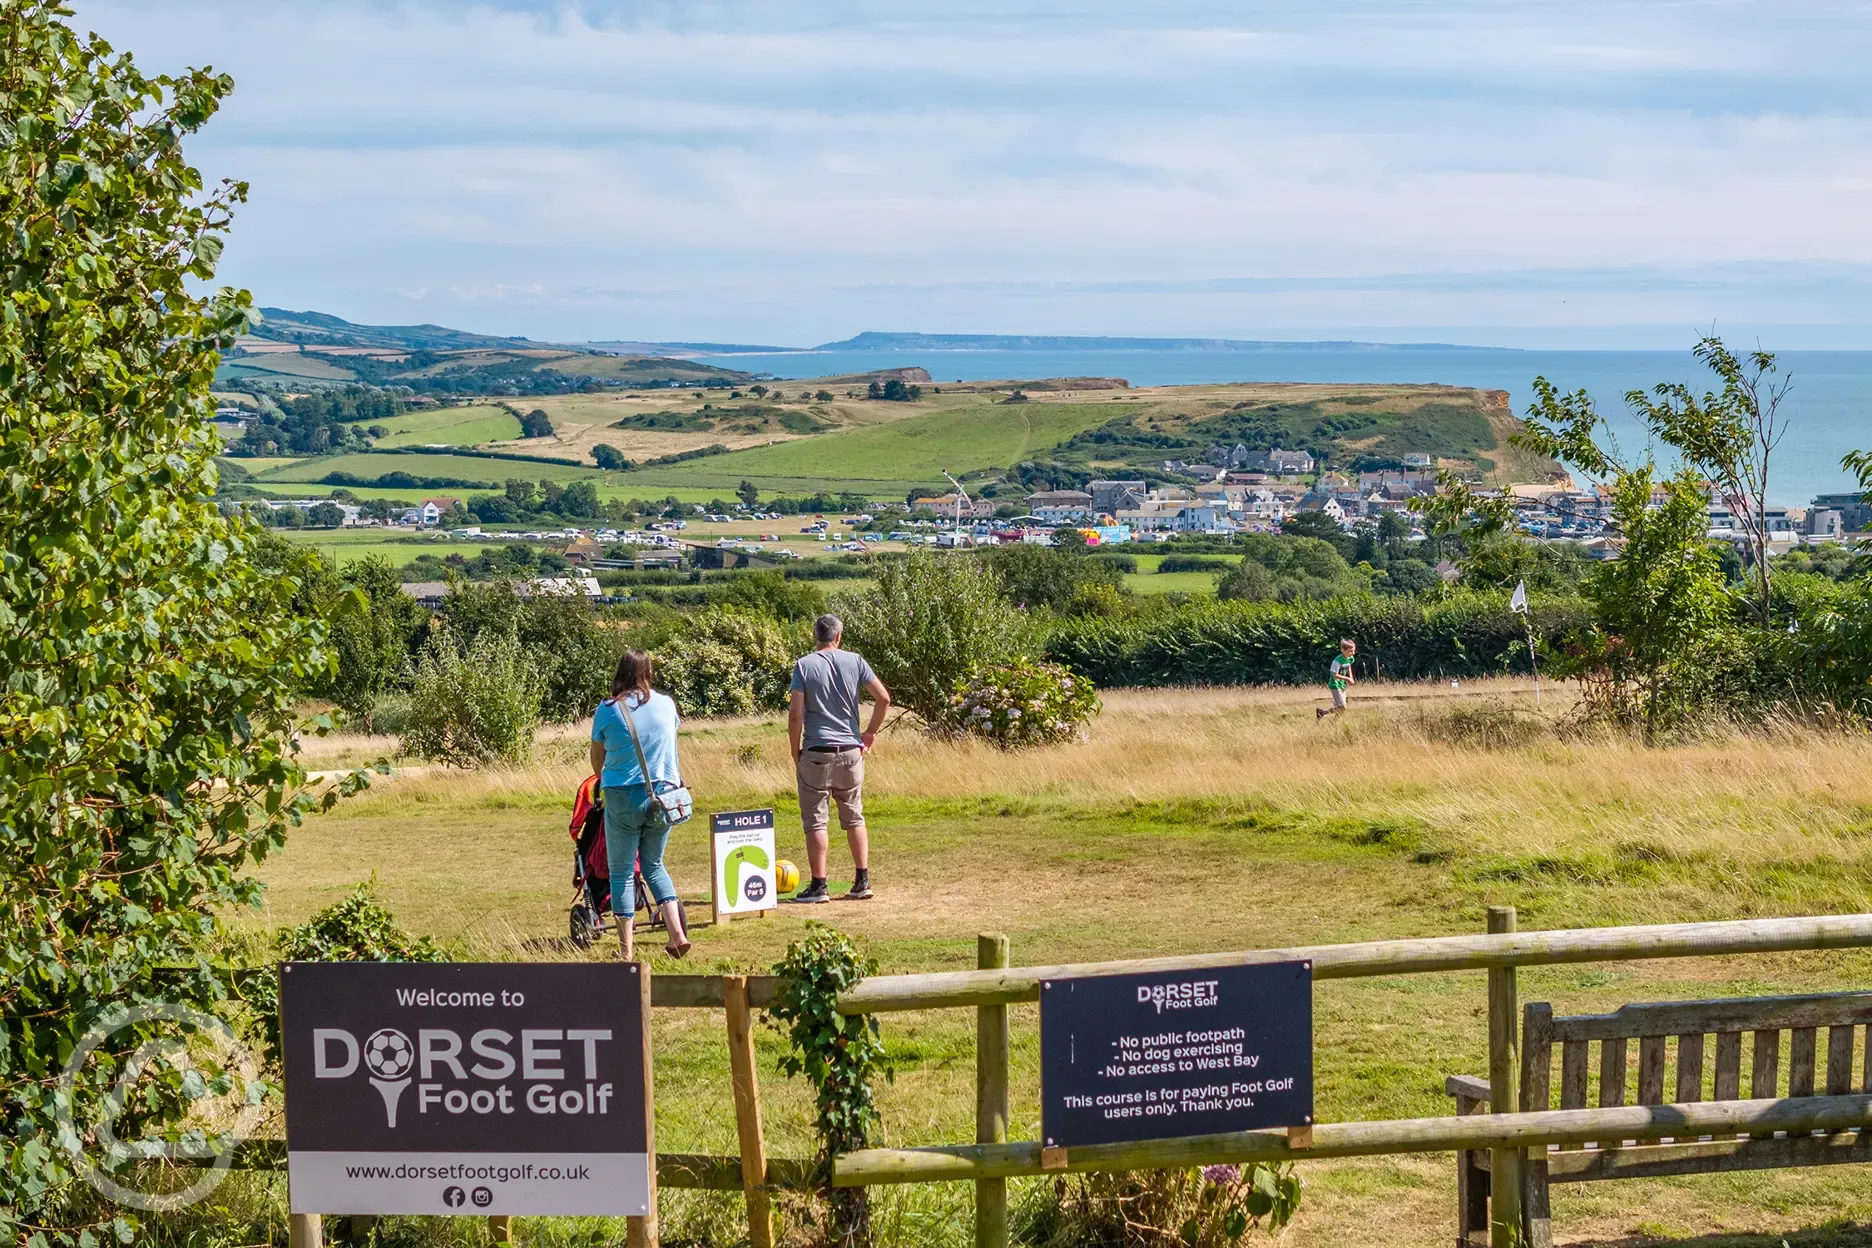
{"x": 1339, "y": 678}
{"x": 828, "y": 751}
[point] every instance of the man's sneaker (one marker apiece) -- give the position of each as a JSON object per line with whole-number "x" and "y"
{"x": 813, "y": 894}
{"x": 860, "y": 889}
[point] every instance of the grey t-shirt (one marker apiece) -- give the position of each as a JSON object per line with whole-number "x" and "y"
{"x": 831, "y": 679}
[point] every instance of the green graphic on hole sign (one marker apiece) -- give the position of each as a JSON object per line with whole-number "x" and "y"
{"x": 743, "y": 853}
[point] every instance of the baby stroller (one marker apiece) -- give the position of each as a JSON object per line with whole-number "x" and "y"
{"x": 591, "y": 871}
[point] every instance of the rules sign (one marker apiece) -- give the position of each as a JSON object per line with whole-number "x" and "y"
{"x": 471, "y": 1089}
{"x": 1158, "y": 1055}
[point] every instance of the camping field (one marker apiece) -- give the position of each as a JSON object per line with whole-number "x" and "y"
{"x": 1193, "y": 820}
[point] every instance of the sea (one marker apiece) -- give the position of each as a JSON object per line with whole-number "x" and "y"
{"x": 1828, "y": 410}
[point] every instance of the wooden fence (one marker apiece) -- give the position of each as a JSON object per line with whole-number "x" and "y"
{"x": 993, "y": 1159}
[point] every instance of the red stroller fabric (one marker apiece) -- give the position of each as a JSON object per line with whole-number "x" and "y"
{"x": 587, "y": 828}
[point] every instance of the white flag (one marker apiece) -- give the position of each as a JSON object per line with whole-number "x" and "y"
{"x": 1518, "y": 603}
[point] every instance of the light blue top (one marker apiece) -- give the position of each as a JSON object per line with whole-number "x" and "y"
{"x": 656, "y": 722}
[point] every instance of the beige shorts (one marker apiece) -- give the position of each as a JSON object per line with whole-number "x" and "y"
{"x": 1338, "y": 699}
{"x": 834, "y": 777}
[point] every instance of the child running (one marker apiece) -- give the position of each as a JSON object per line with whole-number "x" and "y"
{"x": 1339, "y": 678}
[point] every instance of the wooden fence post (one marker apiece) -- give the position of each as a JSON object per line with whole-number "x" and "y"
{"x": 305, "y": 1230}
{"x": 1504, "y": 1069}
{"x": 641, "y": 1231}
{"x": 991, "y": 1096}
{"x": 747, "y": 1109}
{"x": 500, "y": 1228}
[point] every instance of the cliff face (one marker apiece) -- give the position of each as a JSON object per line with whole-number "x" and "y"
{"x": 1514, "y": 464}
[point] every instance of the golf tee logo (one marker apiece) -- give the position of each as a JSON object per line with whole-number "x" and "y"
{"x": 388, "y": 1056}
{"x": 753, "y": 856}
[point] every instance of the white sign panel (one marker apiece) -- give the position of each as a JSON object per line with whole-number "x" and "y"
{"x": 743, "y": 854}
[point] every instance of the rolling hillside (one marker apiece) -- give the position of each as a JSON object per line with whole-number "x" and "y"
{"x": 289, "y": 348}
{"x": 1025, "y": 434}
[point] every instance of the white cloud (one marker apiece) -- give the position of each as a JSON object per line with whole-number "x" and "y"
{"x": 743, "y": 169}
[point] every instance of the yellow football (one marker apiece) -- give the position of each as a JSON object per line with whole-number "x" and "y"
{"x": 786, "y": 876}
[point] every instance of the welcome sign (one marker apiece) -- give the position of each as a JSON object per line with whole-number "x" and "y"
{"x": 503, "y": 1088}
{"x": 741, "y": 851}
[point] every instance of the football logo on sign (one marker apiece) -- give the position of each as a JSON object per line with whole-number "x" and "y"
{"x": 388, "y": 1054}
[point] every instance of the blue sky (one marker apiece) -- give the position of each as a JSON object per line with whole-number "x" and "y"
{"x": 1556, "y": 174}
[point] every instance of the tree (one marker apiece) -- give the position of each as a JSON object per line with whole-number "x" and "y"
{"x": 758, "y": 391}
{"x": 824, "y": 396}
{"x": 748, "y": 493}
{"x": 1316, "y": 524}
{"x": 374, "y": 626}
{"x": 1039, "y": 576}
{"x": 929, "y": 623}
{"x": 1661, "y": 633}
{"x": 610, "y": 458}
{"x": 1288, "y": 569}
{"x": 581, "y": 500}
{"x": 325, "y": 515}
{"x": 874, "y": 391}
{"x": 520, "y": 494}
{"x": 536, "y": 424}
{"x": 151, "y": 668}
{"x": 1727, "y": 438}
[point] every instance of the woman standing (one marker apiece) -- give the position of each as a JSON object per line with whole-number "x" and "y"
{"x": 635, "y": 830}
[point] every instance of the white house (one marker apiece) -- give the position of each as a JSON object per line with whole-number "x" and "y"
{"x": 1061, "y": 506}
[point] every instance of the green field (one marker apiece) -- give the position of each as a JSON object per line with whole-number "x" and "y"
{"x": 450, "y": 426}
{"x": 463, "y": 467}
{"x": 1148, "y": 580}
{"x": 890, "y": 458}
{"x": 344, "y": 545}
{"x": 1171, "y": 582}
{"x": 1190, "y": 821}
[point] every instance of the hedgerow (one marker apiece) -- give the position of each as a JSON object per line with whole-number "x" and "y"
{"x": 1267, "y": 643}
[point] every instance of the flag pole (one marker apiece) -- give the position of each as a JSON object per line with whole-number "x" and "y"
{"x": 1519, "y": 603}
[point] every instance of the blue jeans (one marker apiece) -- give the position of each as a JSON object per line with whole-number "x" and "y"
{"x": 634, "y": 832}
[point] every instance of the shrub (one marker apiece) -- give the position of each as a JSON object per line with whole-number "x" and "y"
{"x": 1041, "y": 576}
{"x": 1023, "y": 703}
{"x": 1117, "y": 562}
{"x": 356, "y": 929}
{"x": 472, "y": 706}
{"x": 837, "y": 1053}
{"x": 727, "y": 663}
{"x": 1191, "y": 563}
{"x": 932, "y": 621}
{"x": 1213, "y": 1207}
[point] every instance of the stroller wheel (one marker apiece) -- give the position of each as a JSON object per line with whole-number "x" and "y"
{"x": 582, "y": 926}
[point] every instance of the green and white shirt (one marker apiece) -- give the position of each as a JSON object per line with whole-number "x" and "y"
{"x": 1337, "y": 675}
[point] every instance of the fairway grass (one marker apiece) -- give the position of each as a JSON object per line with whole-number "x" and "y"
{"x": 1192, "y": 820}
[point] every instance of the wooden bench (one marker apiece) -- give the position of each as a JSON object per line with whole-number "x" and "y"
{"x": 1693, "y": 1049}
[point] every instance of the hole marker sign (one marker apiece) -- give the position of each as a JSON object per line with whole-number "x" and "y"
{"x": 741, "y": 849}
{"x": 502, "y": 1088}
{"x": 1164, "y": 1054}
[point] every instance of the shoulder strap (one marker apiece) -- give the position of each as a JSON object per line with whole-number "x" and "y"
{"x": 630, "y": 726}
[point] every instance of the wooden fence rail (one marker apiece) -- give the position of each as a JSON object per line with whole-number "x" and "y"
{"x": 950, "y": 989}
{"x": 966, "y": 1162}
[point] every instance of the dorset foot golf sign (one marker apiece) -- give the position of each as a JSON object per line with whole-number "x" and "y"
{"x": 1158, "y": 1055}
{"x": 470, "y": 1089}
